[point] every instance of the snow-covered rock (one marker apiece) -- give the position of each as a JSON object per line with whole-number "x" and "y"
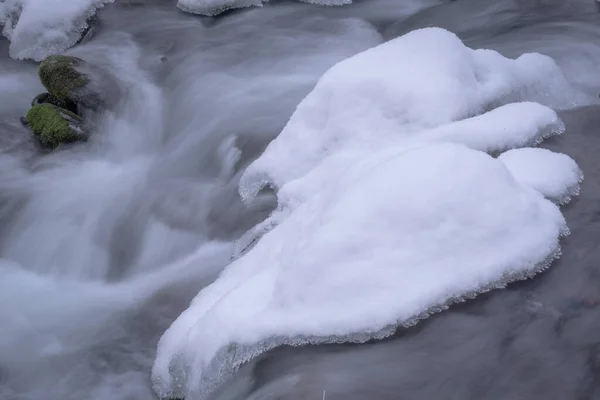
{"x": 390, "y": 207}
{"x": 39, "y": 28}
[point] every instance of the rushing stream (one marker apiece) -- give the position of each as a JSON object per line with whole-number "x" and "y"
{"x": 104, "y": 244}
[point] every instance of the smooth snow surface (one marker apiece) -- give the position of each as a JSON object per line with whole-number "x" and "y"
{"x": 216, "y": 7}
{"x": 38, "y": 28}
{"x": 554, "y": 175}
{"x": 389, "y": 206}
{"x": 423, "y": 80}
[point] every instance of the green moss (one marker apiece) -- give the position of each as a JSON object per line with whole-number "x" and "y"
{"x": 53, "y": 125}
{"x": 59, "y": 76}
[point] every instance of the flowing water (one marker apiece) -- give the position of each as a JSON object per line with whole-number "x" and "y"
{"x": 105, "y": 243}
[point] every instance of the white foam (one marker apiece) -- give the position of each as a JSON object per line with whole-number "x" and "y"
{"x": 39, "y": 28}
{"x": 389, "y": 207}
{"x": 554, "y": 175}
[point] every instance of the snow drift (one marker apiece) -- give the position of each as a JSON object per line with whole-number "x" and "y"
{"x": 39, "y": 28}
{"x": 390, "y": 205}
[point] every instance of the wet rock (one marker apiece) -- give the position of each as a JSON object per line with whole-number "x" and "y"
{"x": 48, "y": 98}
{"x": 60, "y": 77}
{"x": 53, "y": 125}
{"x": 71, "y": 79}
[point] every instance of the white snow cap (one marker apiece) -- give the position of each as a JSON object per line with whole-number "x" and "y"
{"x": 389, "y": 206}
{"x": 216, "y": 7}
{"x": 554, "y": 175}
{"x": 39, "y": 28}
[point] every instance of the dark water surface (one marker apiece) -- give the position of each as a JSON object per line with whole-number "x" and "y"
{"x": 92, "y": 233}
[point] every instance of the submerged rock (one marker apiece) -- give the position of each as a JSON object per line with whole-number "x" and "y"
{"x": 53, "y": 125}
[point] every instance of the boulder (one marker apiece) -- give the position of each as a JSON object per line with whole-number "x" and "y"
{"x": 71, "y": 79}
{"x": 53, "y": 125}
{"x": 60, "y": 77}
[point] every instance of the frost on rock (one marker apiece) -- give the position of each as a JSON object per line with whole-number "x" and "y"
{"x": 555, "y": 175}
{"x": 391, "y": 206}
{"x": 39, "y": 28}
{"x": 215, "y": 7}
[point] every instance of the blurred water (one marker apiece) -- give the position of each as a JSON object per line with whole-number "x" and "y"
{"x": 106, "y": 242}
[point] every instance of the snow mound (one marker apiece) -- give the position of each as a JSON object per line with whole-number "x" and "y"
{"x": 39, "y": 28}
{"x": 508, "y": 126}
{"x": 390, "y": 207}
{"x": 422, "y": 80}
{"x": 554, "y": 175}
{"x": 215, "y": 7}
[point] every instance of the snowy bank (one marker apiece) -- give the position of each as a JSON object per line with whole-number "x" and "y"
{"x": 216, "y": 7}
{"x": 39, "y": 28}
{"x": 390, "y": 205}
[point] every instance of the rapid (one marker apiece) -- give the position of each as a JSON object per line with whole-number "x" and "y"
{"x": 104, "y": 244}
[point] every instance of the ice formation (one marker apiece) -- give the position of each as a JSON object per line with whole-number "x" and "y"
{"x": 216, "y": 7}
{"x": 390, "y": 207}
{"x": 38, "y": 28}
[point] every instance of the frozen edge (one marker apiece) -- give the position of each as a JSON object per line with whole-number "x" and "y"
{"x": 554, "y": 128}
{"x": 231, "y": 357}
{"x": 252, "y": 236}
{"x": 572, "y": 191}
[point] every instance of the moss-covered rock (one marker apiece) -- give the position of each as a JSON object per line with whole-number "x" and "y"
{"x": 88, "y": 87}
{"x": 53, "y": 125}
{"x": 60, "y": 77}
